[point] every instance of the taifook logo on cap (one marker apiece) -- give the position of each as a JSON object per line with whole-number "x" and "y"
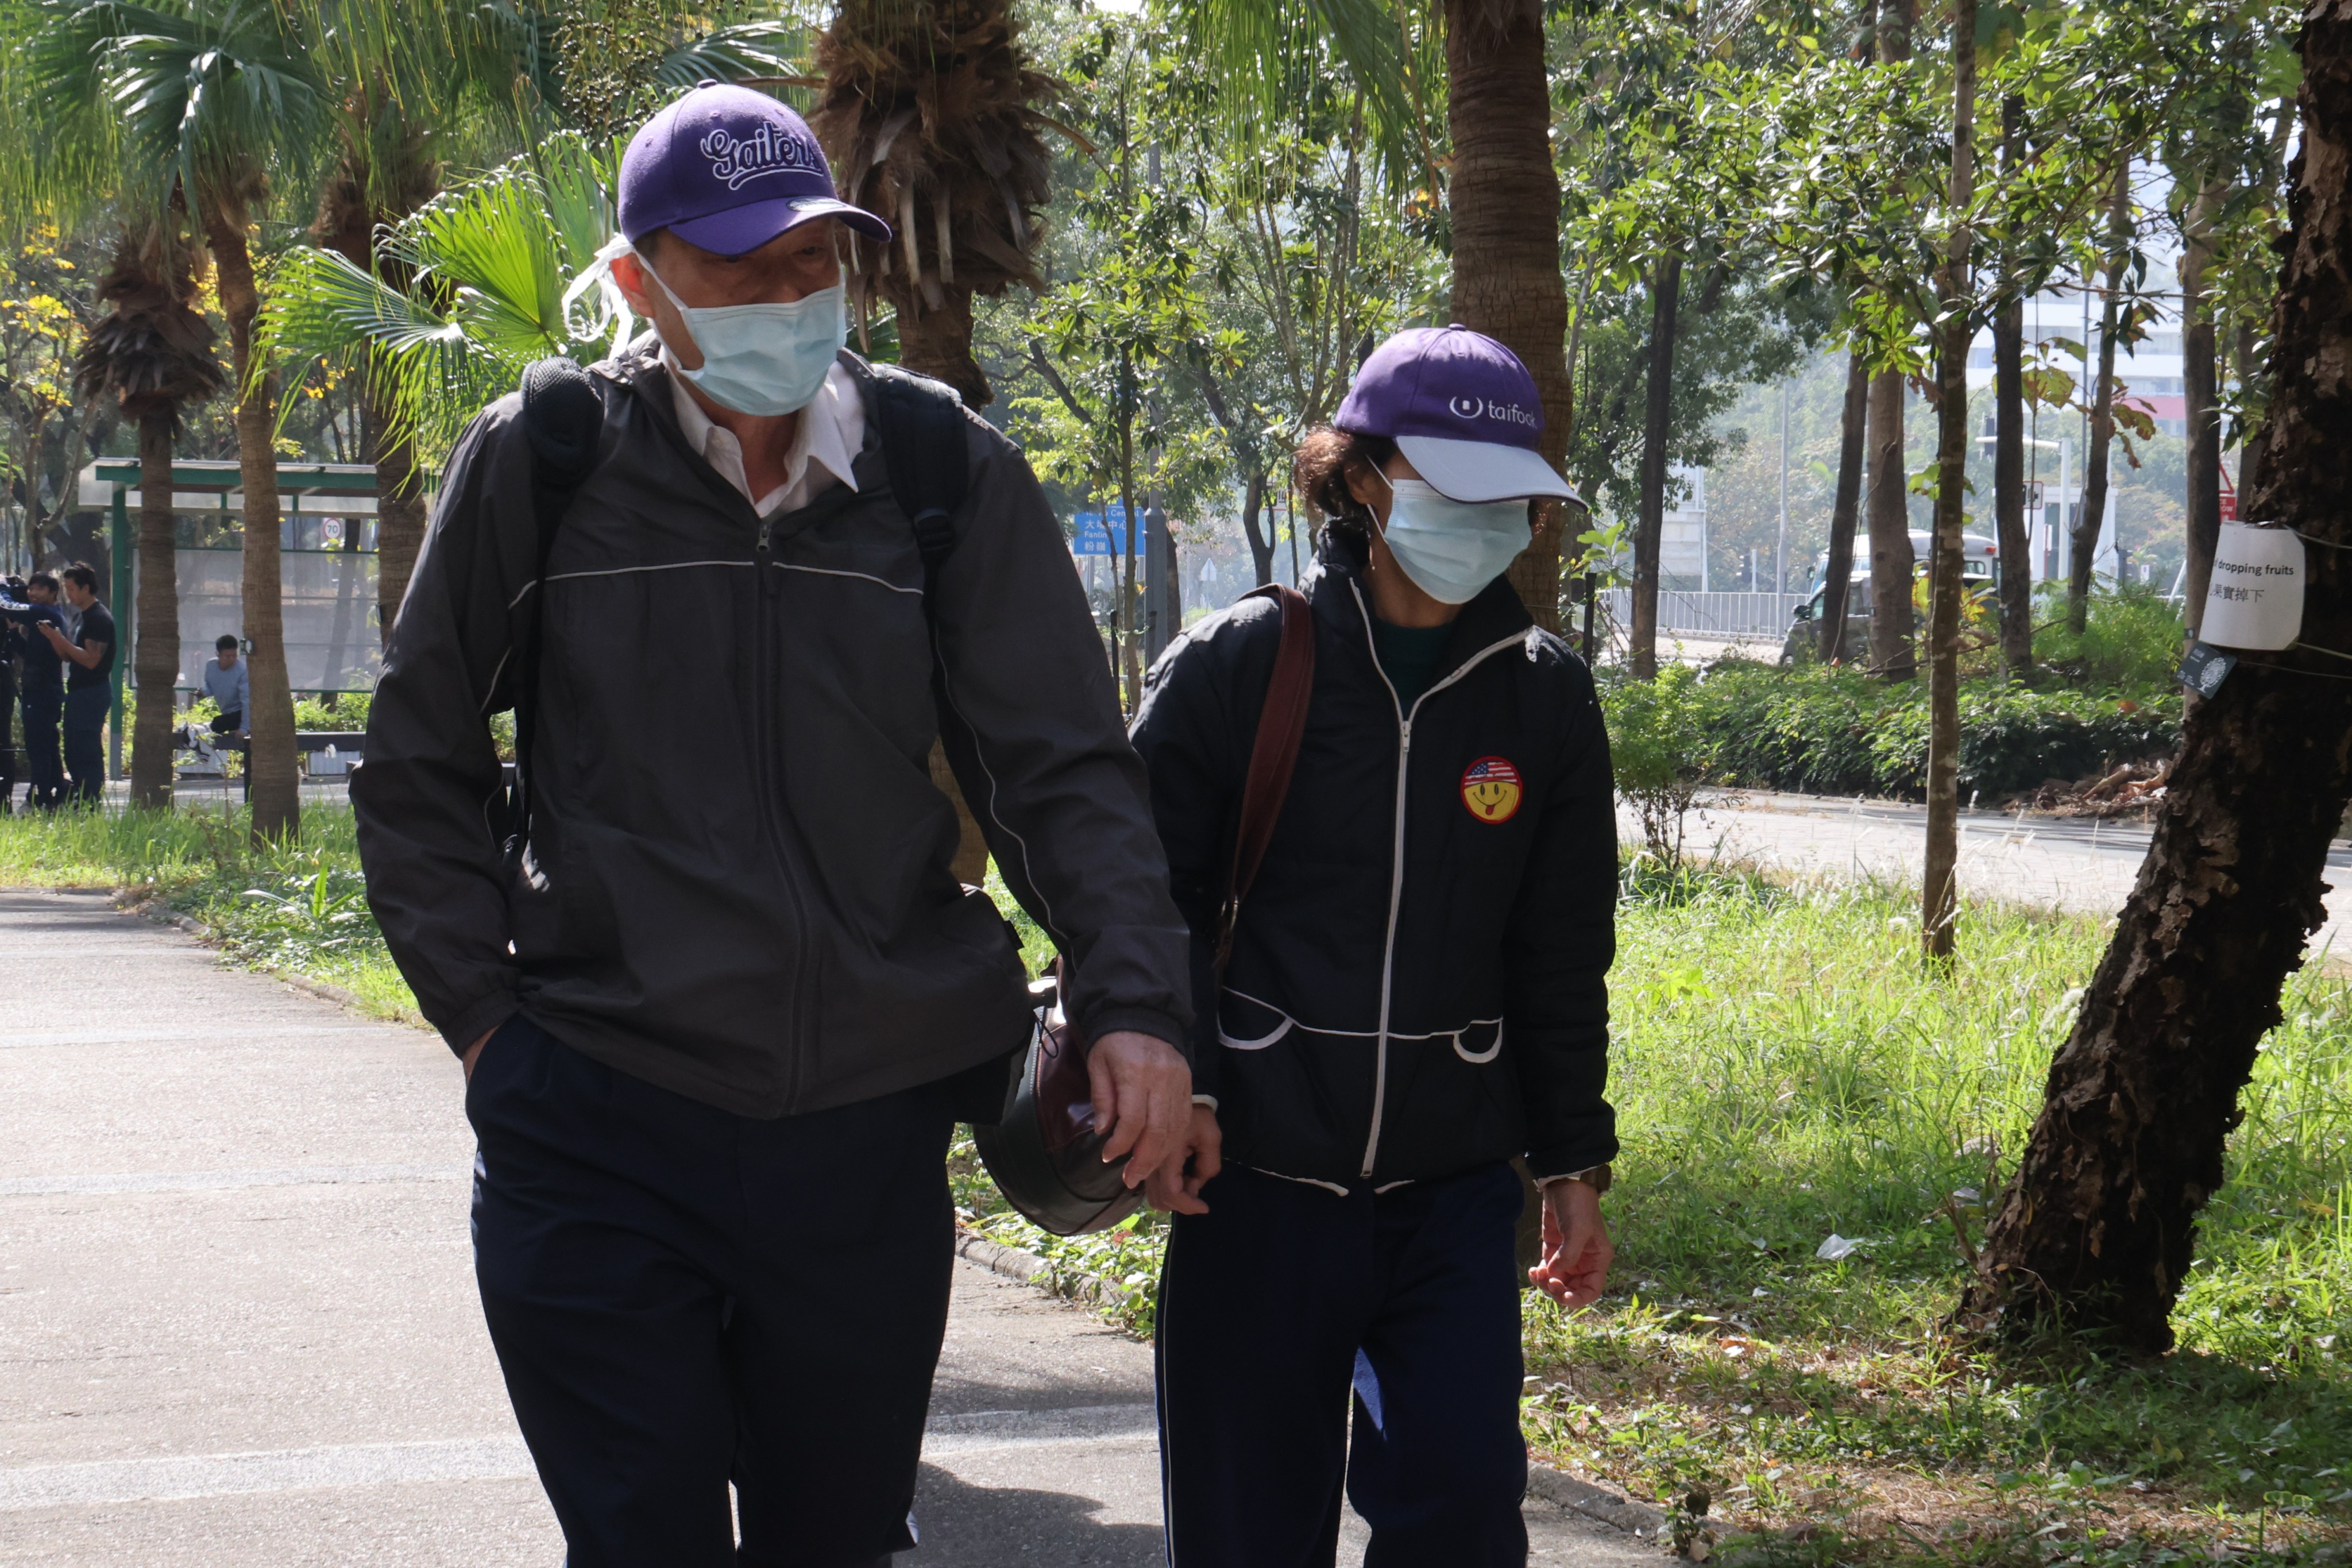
{"x": 1486, "y": 408}
{"x": 765, "y": 151}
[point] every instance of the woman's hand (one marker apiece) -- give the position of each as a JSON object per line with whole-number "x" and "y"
{"x": 1176, "y": 1185}
{"x": 1576, "y": 1250}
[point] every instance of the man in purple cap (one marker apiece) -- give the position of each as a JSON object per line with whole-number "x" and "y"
{"x": 719, "y": 1020}
{"x": 1415, "y": 993}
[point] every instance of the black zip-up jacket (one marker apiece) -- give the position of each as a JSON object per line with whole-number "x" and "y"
{"x": 747, "y": 895}
{"x": 1417, "y": 978}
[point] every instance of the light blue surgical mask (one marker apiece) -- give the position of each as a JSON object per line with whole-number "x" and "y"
{"x": 1452, "y": 549}
{"x": 763, "y": 360}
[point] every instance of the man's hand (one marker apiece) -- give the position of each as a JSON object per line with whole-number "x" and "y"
{"x": 1176, "y": 1189}
{"x": 474, "y": 1053}
{"x": 1576, "y": 1250}
{"x": 57, "y": 638}
{"x": 1143, "y": 1100}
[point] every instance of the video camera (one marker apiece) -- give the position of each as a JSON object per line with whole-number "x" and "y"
{"x": 15, "y": 600}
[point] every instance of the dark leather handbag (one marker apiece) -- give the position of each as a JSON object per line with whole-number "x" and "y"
{"x": 1045, "y": 1154}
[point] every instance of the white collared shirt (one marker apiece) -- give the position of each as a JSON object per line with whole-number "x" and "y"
{"x": 832, "y": 431}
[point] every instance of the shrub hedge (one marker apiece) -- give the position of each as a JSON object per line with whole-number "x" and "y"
{"x": 1835, "y": 732}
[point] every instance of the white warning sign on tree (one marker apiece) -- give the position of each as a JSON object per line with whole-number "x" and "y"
{"x": 2255, "y": 599}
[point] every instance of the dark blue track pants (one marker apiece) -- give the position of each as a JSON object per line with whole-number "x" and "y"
{"x": 1283, "y": 1296}
{"x": 681, "y": 1297}
{"x": 42, "y": 767}
{"x": 85, "y": 715}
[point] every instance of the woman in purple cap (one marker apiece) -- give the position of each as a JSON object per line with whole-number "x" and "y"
{"x": 1414, "y": 994}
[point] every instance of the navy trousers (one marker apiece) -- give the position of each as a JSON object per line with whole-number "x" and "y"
{"x": 680, "y": 1298}
{"x": 46, "y": 775}
{"x": 85, "y": 715}
{"x": 1285, "y": 1295}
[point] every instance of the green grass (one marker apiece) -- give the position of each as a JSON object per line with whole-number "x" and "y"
{"x": 1785, "y": 1070}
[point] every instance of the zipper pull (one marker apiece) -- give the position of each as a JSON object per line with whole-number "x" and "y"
{"x": 767, "y": 530}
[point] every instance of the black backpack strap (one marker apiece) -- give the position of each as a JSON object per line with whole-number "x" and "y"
{"x": 923, "y": 431}
{"x": 563, "y": 421}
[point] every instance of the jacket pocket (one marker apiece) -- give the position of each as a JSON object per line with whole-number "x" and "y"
{"x": 1292, "y": 1099}
{"x": 1453, "y": 1101}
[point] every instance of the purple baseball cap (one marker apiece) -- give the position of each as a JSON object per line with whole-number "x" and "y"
{"x": 1462, "y": 409}
{"x": 729, "y": 169}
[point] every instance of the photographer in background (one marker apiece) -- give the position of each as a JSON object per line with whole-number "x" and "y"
{"x": 42, "y": 692}
{"x": 15, "y": 616}
{"x": 88, "y": 693}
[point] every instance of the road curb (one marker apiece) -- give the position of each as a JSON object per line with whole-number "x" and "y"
{"x": 1557, "y": 1487}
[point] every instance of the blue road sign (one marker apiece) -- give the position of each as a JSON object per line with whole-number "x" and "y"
{"x": 1100, "y": 532}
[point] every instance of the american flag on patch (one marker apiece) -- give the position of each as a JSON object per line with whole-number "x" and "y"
{"x": 1497, "y": 769}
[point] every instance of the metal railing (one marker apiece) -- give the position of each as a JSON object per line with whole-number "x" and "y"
{"x": 1742, "y": 616}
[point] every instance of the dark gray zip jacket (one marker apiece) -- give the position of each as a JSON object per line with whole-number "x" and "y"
{"x": 1418, "y": 978}
{"x": 747, "y": 895}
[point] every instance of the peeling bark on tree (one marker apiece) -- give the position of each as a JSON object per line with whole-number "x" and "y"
{"x": 2097, "y": 1228}
{"x": 1504, "y": 198}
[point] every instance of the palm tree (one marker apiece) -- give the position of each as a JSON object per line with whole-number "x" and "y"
{"x": 212, "y": 98}
{"x": 926, "y": 113}
{"x": 153, "y": 352}
{"x": 1502, "y": 192}
{"x": 469, "y": 289}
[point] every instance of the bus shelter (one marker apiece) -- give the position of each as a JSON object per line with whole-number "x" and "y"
{"x": 327, "y": 570}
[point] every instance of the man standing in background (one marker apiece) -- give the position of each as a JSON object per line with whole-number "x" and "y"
{"x": 43, "y": 694}
{"x": 88, "y": 694}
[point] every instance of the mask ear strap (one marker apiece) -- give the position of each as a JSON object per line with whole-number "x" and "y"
{"x": 612, "y": 304}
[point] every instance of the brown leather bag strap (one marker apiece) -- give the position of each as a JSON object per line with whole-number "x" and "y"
{"x": 1281, "y": 725}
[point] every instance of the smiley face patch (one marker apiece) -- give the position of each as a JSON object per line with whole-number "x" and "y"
{"x": 1490, "y": 788}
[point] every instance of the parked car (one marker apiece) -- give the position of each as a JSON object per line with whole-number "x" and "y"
{"x": 1980, "y": 563}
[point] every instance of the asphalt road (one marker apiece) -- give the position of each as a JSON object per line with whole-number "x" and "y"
{"x": 237, "y": 1322}
{"x": 2077, "y": 865}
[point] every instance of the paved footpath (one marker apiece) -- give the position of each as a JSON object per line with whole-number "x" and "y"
{"x": 237, "y": 1321}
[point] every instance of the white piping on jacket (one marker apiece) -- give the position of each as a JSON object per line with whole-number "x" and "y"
{"x": 1396, "y": 852}
{"x": 835, "y": 572}
{"x": 1477, "y": 1059}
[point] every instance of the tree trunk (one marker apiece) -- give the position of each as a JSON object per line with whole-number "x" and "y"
{"x": 2099, "y": 1227}
{"x": 1665, "y": 297}
{"x": 2199, "y": 364}
{"x": 156, "y": 662}
{"x": 2092, "y": 517}
{"x": 1940, "y": 888}
{"x": 937, "y": 341}
{"x": 400, "y": 517}
{"x": 1261, "y": 540}
{"x": 2016, "y": 565}
{"x": 1504, "y": 198}
{"x": 1843, "y": 510}
{"x": 1891, "y": 561}
{"x": 277, "y": 792}
{"x": 1130, "y": 667}
{"x": 2016, "y": 547}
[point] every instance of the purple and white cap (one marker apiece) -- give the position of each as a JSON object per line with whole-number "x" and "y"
{"x": 1462, "y": 409}
{"x": 729, "y": 169}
